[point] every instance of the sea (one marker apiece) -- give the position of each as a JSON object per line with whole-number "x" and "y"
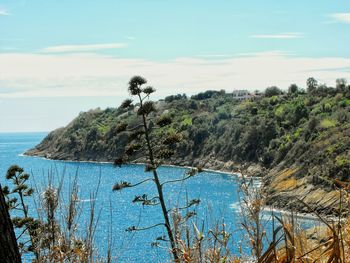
{"x": 115, "y": 212}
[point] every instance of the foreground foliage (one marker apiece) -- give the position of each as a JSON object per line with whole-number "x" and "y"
{"x": 42, "y": 235}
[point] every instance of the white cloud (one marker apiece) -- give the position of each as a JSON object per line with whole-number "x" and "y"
{"x": 341, "y": 17}
{"x": 82, "y": 48}
{"x": 48, "y": 75}
{"x": 279, "y": 36}
{"x": 213, "y": 56}
{"x": 130, "y": 38}
{"x": 4, "y": 12}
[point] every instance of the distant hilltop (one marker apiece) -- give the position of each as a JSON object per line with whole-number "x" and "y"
{"x": 298, "y": 141}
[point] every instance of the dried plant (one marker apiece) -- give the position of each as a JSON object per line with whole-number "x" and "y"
{"x": 147, "y": 149}
{"x": 57, "y": 235}
{"x": 252, "y": 208}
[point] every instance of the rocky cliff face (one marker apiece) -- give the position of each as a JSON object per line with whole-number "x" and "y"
{"x": 314, "y": 173}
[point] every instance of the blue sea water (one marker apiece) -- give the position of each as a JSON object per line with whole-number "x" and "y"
{"x": 218, "y": 194}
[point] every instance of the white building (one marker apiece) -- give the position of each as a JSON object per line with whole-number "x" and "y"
{"x": 241, "y": 94}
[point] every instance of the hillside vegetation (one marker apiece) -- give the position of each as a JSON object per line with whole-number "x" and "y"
{"x": 298, "y": 141}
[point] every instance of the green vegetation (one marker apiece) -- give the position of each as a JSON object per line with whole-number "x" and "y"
{"x": 301, "y": 139}
{"x": 289, "y": 130}
{"x": 16, "y": 200}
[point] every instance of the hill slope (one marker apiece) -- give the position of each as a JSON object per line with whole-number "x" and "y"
{"x": 300, "y": 141}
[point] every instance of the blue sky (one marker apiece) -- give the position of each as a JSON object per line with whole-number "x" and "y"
{"x": 58, "y": 58}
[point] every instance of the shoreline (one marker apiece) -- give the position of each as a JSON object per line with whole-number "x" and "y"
{"x": 237, "y": 175}
{"x": 300, "y": 215}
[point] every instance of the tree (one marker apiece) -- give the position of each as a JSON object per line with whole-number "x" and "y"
{"x": 9, "y": 251}
{"x": 341, "y": 84}
{"x": 272, "y": 91}
{"x": 293, "y": 89}
{"x": 311, "y": 84}
{"x": 144, "y": 145}
{"x": 18, "y": 178}
{"x": 311, "y": 127}
{"x": 300, "y": 111}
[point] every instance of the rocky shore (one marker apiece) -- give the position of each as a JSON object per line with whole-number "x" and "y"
{"x": 282, "y": 188}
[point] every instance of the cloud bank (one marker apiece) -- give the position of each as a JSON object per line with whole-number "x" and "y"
{"x": 279, "y": 36}
{"x": 82, "y": 48}
{"x": 341, "y": 17}
{"x": 49, "y": 75}
{"x": 4, "y": 12}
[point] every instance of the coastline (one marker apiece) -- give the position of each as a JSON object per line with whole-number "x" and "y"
{"x": 238, "y": 175}
{"x": 300, "y": 215}
{"x": 226, "y": 172}
{"x": 249, "y": 170}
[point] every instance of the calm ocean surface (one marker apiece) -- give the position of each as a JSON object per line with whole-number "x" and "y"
{"x": 217, "y": 192}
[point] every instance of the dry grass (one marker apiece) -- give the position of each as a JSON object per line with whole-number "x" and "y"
{"x": 61, "y": 237}
{"x": 57, "y": 240}
{"x": 329, "y": 243}
{"x": 283, "y": 179}
{"x": 292, "y": 244}
{"x": 287, "y": 185}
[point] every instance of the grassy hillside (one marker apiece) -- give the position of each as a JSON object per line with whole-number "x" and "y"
{"x": 300, "y": 140}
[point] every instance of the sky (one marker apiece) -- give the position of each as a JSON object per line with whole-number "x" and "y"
{"x": 61, "y": 57}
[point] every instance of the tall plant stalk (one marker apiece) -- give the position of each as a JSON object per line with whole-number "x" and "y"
{"x": 153, "y": 151}
{"x": 159, "y": 186}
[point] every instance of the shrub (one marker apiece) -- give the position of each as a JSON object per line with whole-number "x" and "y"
{"x": 328, "y": 123}
{"x": 272, "y": 91}
{"x": 293, "y": 89}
